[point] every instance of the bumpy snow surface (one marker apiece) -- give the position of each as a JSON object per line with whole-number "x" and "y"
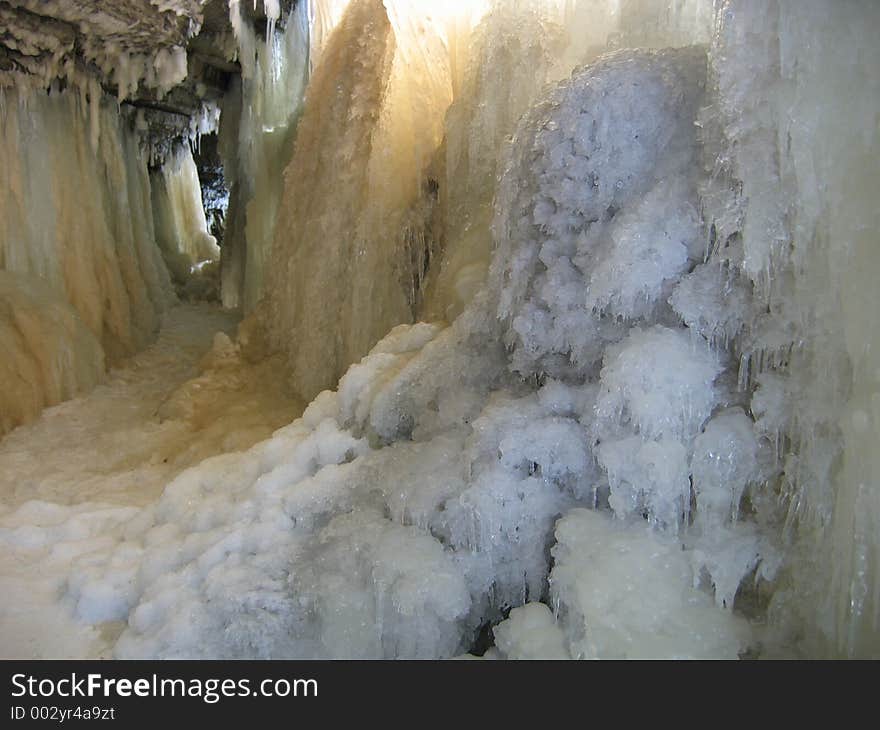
{"x": 87, "y": 466}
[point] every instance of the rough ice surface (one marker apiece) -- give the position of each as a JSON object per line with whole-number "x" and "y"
{"x": 93, "y": 244}
{"x": 671, "y": 401}
{"x": 530, "y": 632}
{"x": 711, "y": 300}
{"x": 317, "y": 242}
{"x": 164, "y": 412}
{"x": 285, "y": 515}
{"x": 648, "y": 431}
{"x": 724, "y": 463}
{"x": 642, "y": 259}
{"x": 647, "y": 477}
{"x": 49, "y": 355}
{"x": 584, "y": 209}
{"x": 258, "y": 126}
{"x": 136, "y": 45}
{"x": 625, "y": 593}
{"x": 790, "y": 190}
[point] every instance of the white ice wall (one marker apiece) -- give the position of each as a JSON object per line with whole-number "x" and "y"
{"x": 799, "y": 99}
{"x": 321, "y": 234}
{"x": 49, "y": 355}
{"x": 76, "y": 212}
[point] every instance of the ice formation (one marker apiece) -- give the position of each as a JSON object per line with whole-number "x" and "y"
{"x": 135, "y": 45}
{"x": 94, "y": 244}
{"x": 49, "y": 355}
{"x": 94, "y": 461}
{"x": 91, "y": 246}
{"x": 102, "y": 248}
{"x": 600, "y": 582}
{"x": 642, "y": 418}
{"x": 181, "y": 227}
{"x": 419, "y": 134}
{"x": 530, "y": 632}
{"x": 259, "y": 123}
{"x": 444, "y": 467}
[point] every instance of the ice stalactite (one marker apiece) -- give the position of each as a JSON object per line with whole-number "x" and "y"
{"x": 801, "y": 226}
{"x": 134, "y": 48}
{"x": 94, "y": 244}
{"x": 257, "y": 132}
{"x": 181, "y": 227}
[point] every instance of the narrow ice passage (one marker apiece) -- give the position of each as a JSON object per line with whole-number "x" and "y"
{"x": 85, "y": 466}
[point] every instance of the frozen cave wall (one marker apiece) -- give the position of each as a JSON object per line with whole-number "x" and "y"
{"x": 75, "y": 211}
{"x": 258, "y": 124}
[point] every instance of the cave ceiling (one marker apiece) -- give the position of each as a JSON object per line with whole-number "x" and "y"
{"x": 42, "y": 40}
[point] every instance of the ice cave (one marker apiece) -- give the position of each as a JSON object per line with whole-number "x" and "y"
{"x": 499, "y": 329}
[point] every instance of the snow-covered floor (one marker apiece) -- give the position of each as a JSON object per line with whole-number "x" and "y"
{"x": 68, "y": 479}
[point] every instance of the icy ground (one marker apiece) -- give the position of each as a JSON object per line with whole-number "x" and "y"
{"x": 88, "y": 464}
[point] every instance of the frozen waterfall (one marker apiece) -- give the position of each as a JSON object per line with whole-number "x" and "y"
{"x": 581, "y": 295}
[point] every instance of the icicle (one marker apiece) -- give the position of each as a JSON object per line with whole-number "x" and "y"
{"x": 95, "y": 93}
